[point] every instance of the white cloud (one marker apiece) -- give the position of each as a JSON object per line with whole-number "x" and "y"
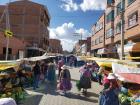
{"x": 69, "y": 5}
{"x": 66, "y": 33}
{"x": 93, "y": 5}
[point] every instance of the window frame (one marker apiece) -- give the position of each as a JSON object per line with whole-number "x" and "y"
{"x": 129, "y": 3}
{"x": 110, "y": 30}
{"x": 118, "y": 25}
{"x": 131, "y": 20}
{"x": 110, "y": 17}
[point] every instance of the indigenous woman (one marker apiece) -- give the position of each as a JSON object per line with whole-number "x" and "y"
{"x": 65, "y": 79}
{"x": 85, "y": 79}
{"x": 51, "y": 73}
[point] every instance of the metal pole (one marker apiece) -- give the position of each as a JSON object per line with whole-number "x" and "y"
{"x": 122, "y": 31}
{"x": 7, "y": 28}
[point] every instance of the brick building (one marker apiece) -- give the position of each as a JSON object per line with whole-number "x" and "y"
{"x": 16, "y": 47}
{"x": 83, "y": 47}
{"x": 29, "y": 22}
{"x": 98, "y": 35}
{"x": 112, "y": 30}
{"x": 55, "y": 46}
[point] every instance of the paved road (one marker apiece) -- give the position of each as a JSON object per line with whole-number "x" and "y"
{"x": 48, "y": 95}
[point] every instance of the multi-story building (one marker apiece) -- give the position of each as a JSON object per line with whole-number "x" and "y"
{"x": 29, "y": 22}
{"x": 88, "y": 44}
{"x": 128, "y": 11}
{"x": 131, "y": 25}
{"x": 55, "y": 46}
{"x": 98, "y": 36}
{"x": 78, "y": 47}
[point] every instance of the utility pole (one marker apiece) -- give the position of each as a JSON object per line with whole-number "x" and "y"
{"x": 7, "y": 28}
{"x": 122, "y": 30}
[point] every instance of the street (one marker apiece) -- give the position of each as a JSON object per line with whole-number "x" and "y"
{"x": 49, "y": 95}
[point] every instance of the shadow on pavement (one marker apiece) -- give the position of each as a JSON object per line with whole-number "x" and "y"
{"x": 51, "y": 89}
{"x": 79, "y": 97}
{"x": 74, "y": 80}
{"x": 91, "y": 94}
{"x": 32, "y": 100}
{"x": 46, "y": 88}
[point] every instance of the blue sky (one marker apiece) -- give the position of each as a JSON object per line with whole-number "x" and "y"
{"x": 71, "y": 16}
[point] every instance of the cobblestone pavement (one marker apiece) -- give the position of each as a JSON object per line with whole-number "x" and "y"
{"x": 47, "y": 94}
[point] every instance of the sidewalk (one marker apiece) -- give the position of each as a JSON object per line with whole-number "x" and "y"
{"x": 48, "y": 95}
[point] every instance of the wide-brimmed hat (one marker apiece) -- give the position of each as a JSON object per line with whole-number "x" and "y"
{"x": 111, "y": 76}
{"x": 64, "y": 67}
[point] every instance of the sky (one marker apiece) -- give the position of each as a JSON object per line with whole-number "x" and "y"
{"x": 71, "y": 18}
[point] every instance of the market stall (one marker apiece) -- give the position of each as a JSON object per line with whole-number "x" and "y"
{"x": 129, "y": 76}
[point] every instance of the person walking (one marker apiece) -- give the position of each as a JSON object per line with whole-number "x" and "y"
{"x": 60, "y": 64}
{"x": 65, "y": 80}
{"x": 51, "y": 75}
{"x": 36, "y": 76}
{"x": 85, "y": 78}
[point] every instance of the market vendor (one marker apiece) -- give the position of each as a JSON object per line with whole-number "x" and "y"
{"x": 110, "y": 93}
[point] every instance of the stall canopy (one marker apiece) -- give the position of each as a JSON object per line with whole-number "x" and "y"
{"x": 8, "y": 64}
{"x": 126, "y": 73}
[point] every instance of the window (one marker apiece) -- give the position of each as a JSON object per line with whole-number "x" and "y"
{"x": 133, "y": 19}
{"x": 118, "y": 28}
{"x": 99, "y": 26}
{"x": 130, "y": 1}
{"x": 9, "y": 50}
{"x": 109, "y": 33}
{"x": 101, "y": 39}
{"x": 109, "y": 2}
{"x": 118, "y": 8}
{"x": 110, "y": 16}
{"x": 96, "y": 41}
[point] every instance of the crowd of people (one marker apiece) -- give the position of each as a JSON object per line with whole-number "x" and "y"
{"x": 90, "y": 71}
{"x": 46, "y": 70}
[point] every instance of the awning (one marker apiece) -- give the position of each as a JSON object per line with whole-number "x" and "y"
{"x": 133, "y": 47}
{"x": 102, "y": 51}
{"x": 126, "y": 73}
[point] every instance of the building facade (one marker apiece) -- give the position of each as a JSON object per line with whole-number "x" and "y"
{"x": 13, "y": 52}
{"x": 129, "y": 12}
{"x": 55, "y": 46}
{"x": 98, "y": 36}
{"x": 78, "y": 47}
{"x": 29, "y": 22}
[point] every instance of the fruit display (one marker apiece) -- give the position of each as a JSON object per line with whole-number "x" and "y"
{"x": 11, "y": 84}
{"x": 124, "y": 99}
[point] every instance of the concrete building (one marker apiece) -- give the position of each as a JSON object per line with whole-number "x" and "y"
{"x": 16, "y": 47}
{"x": 83, "y": 47}
{"x": 98, "y": 36}
{"x": 131, "y": 25}
{"x": 29, "y": 22}
{"x": 112, "y": 29}
{"x": 78, "y": 46}
{"x": 55, "y": 46}
{"x": 88, "y": 44}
